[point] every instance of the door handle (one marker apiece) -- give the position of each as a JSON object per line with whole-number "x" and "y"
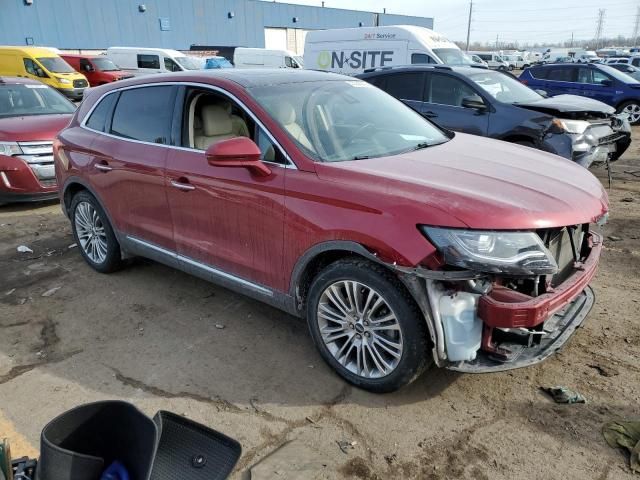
{"x": 184, "y": 186}
{"x": 103, "y": 167}
{"x": 430, "y": 114}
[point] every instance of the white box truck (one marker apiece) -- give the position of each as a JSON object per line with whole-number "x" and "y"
{"x": 353, "y": 50}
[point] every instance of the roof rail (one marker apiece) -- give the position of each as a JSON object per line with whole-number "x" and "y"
{"x": 377, "y": 69}
{"x": 442, "y": 67}
{"x": 483, "y": 67}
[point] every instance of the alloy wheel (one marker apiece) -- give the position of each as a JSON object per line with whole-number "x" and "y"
{"x": 633, "y": 110}
{"x": 360, "y": 329}
{"x": 91, "y": 232}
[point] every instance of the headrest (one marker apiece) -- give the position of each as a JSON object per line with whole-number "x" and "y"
{"x": 215, "y": 121}
{"x": 285, "y": 113}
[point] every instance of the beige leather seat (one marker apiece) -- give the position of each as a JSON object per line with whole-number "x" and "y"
{"x": 239, "y": 126}
{"x": 286, "y": 115}
{"x": 216, "y": 126}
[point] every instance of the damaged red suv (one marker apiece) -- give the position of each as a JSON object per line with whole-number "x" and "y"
{"x": 402, "y": 245}
{"x": 31, "y": 115}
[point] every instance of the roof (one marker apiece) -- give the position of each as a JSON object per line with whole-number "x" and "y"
{"x": 19, "y": 81}
{"x": 35, "y": 51}
{"x": 77, "y": 55}
{"x": 463, "y": 69}
{"x": 250, "y": 77}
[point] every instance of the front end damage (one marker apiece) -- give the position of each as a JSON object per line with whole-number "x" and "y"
{"x": 486, "y": 322}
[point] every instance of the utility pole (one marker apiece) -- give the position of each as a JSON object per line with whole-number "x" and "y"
{"x": 497, "y": 36}
{"x": 599, "y": 26}
{"x": 634, "y": 38}
{"x": 469, "y": 23}
{"x": 571, "y": 46}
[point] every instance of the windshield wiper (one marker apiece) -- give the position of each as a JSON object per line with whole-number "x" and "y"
{"x": 361, "y": 157}
{"x": 422, "y": 145}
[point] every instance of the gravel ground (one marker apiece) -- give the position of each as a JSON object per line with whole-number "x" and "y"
{"x": 152, "y": 336}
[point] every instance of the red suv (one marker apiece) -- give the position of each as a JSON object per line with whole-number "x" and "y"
{"x": 31, "y": 115}
{"x": 97, "y": 68}
{"x": 403, "y": 245}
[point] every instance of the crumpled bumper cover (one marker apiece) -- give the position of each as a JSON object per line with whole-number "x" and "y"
{"x": 558, "y": 328}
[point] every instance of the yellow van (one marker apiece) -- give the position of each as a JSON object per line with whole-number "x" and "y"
{"x": 45, "y": 65}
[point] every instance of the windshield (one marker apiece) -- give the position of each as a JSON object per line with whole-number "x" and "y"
{"x": 299, "y": 61}
{"x": 55, "y": 65}
{"x": 618, "y": 75}
{"x": 20, "y": 100}
{"x": 190, "y": 63}
{"x": 217, "y": 62}
{"x": 334, "y": 121}
{"x": 504, "y": 88}
{"x": 104, "y": 65}
{"x": 452, "y": 56}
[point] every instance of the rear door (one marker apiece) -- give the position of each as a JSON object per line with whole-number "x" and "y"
{"x": 128, "y": 165}
{"x": 562, "y": 79}
{"x": 442, "y": 104}
{"x": 406, "y": 86}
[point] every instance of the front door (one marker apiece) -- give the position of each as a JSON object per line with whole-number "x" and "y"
{"x": 227, "y": 221}
{"x": 592, "y": 86}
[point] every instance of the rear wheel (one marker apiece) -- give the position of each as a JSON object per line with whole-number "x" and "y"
{"x": 93, "y": 233}
{"x": 632, "y": 109}
{"x": 366, "y": 325}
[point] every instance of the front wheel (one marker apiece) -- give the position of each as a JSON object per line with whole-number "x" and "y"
{"x": 632, "y": 109}
{"x": 367, "y": 326}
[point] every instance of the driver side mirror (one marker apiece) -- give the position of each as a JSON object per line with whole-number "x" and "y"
{"x": 40, "y": 73}
{"x": 88, "y": 68}
{"x": 237, "y": 152}
{"x": 542, "y": 92}
{"x": 606, "y": 82}
{"x": 474, "y": 101}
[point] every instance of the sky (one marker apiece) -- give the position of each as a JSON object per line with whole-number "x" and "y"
{"x": 512, "y": 20}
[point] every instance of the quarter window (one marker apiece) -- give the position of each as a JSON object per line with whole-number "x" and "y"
{"x": 446, "y": 90}
{"x": 144, "y": 114}
{"x": 405, "y": 86}
{"x": 539, "y": 73}
{"x": 561, "y": 74}
{"x": 102, "y": 112}
{"x": 149, "y": 61}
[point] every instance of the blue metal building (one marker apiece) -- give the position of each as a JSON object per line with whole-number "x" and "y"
{"x": 98, "y": 24}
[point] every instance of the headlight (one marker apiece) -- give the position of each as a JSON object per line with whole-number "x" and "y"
{"x": 571, "y": 126}
{"x": 10, "y": 149}
{"x": 64, "y": 81}
{"x": 516, "y": 253}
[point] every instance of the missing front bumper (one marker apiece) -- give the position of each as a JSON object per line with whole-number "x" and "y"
{"x": 560, "y": 327}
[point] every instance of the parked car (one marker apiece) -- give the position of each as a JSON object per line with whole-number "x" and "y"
{"x": 493, "y": 60}
{"x": 97, "y": 68}
{"x": 628, "y": 69}
{"x": 402, "y": 244}
{"x": 516, "y": 61}
{"x": 265, "y": 58}
{"x": 45, "y": 65}
{"x": 599, "y": 82}
{"x": 494, "y": 104}
{"x": 585, "y": 56}
{"x": 142, "y": 61}
{"x": 31, "y": 114}
{"x": 354, "y": 50}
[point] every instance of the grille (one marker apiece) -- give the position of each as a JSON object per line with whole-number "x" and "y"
{"x": 558, "y": 241}
{"x": 614, "y": 137}
{"x": 80, "y": 83}
{"x": 39, "y": 156}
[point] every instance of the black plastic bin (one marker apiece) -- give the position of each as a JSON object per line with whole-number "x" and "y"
{"x": 81, "y": 443}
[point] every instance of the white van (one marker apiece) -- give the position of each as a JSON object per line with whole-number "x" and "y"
{"x": 265, "y": 58}
{"x": 516, "y": 60}
{"x": 354, "y": 50}
{"x": 493, "y": 60}
{"x": 152, "y": 60}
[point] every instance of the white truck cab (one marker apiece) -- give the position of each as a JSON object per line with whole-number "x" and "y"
{"x": 353, "y": 50}
{"x": 152, "y": 60}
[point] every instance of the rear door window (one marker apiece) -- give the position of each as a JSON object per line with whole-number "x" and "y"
{"x": 405, "y": 86}
{"x": 562, "y": 74}
{"x": 102, "y": 113}
{"x": 421, "y": 58}
{"x": 149, "y": 61}
{"x": 144, "y": 114}
{"x": 447, "y": 90}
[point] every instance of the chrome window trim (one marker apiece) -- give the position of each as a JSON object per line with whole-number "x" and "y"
{"x": 202, "y": 266}
{"x": 83, "y": 124}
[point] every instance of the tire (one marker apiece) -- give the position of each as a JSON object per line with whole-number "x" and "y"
{"x": 376, "y": 337}
{"x": 632, "y": 107}
{"x": 93, "y": 234}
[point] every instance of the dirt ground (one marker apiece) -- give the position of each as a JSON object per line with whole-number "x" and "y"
{"x": 152, "y": 336}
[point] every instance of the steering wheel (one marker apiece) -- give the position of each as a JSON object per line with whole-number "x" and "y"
{"x": 359, "y": 131}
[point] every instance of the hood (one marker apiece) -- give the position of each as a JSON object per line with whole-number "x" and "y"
{"x": 569, "y": 105}
{"x": 480, "y": 183}
{"x": 32, "y": 128}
